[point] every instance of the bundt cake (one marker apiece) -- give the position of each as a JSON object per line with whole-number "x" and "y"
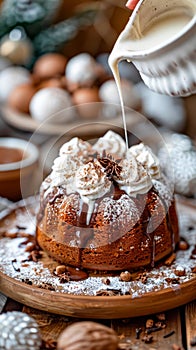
{"x": 104, "y": 207}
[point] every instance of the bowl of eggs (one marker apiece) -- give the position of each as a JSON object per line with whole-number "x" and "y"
{"x": 19, "y": 161}
{"x": 60, "y": 94}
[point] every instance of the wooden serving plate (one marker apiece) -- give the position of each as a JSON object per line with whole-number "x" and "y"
{"x": 24, "y": 122}
{"x": 82, "y": 306}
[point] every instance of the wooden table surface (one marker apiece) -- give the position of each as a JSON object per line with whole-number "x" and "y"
{"x": 178, "y": 335}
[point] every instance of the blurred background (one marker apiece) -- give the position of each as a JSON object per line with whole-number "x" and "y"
{"x": 30, "y": 31}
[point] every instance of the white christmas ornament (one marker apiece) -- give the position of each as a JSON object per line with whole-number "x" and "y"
{"x": 19, "y": 331}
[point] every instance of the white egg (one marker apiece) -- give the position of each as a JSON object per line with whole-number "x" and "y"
{"x": 108, "y": 93}
{"x": 164, "y": 110}
{"x": 52, "y": 105}
{"x": 81, "y": 69}
{"x": 10, "y": 78}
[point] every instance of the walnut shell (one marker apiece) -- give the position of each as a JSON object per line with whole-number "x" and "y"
{"x": 89, "y": 336}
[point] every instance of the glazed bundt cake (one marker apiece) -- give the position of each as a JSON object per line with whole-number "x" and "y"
{"x": 106, "y": 208}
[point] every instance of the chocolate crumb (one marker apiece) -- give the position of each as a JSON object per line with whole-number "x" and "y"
{"x": 173, "y": 280}
{"x": 64, "y": 277}
{"x": 169, "y": 334}
{"x": 15, "y": 265}
{"x": 46, "y": 286}
{"x": 19, "y": 227}
{"x": 108, "y": 292}
{"x": 142, "y": 277}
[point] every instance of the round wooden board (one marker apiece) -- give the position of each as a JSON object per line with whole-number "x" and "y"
{"x": 95, "y": 307}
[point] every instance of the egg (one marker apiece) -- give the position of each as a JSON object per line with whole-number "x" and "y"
{"x": 81, "y": 70}
{"x": 21, "y": 96}
{"x": 110, "y": 96}
{"x": 10, "y": 78}
{"x": 50, "y": 65}
{"x": 52, "y": 105}
{"x": 53, "y": 82}
{"x": 86, "y": 101}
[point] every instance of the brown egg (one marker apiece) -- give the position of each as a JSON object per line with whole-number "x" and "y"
{"x": 21, "y": 96}
{"x": 86, "y": 100}
{"x": 53, "y": 82}
{"x": 50, "y": 65}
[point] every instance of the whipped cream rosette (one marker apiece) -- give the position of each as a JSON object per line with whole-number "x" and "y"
{"x": 76, "y": 147}
{"x": 144, "y": 156}
{"x": 133, "y": 178}
{"x": 111, "y": 143}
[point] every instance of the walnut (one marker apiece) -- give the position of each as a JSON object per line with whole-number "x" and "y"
{"x": 125, "y": 276}
{"x": 89, "y": 336}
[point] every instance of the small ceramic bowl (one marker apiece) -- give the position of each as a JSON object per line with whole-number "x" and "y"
{"x": 18, "y": 168}
{"x": 170, "y": 66}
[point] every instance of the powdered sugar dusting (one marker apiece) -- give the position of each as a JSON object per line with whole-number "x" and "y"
{"x": 163, "y": 191}
{"x": 121, "y": 210}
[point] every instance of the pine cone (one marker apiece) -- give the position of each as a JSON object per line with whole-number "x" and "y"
{"x": 19, "y": 331}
